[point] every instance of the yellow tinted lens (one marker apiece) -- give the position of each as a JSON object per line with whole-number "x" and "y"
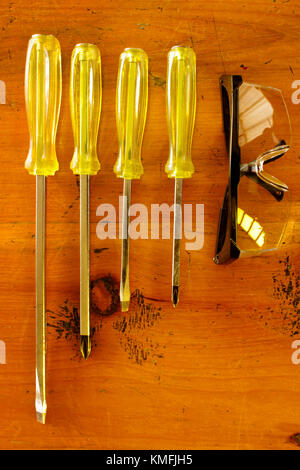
{"x": 261, "y": 219}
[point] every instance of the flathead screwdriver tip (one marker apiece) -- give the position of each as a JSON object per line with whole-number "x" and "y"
{"x": 175, "y": 295}
{"x": 124, "y": 306}
{"x": 41, "y": 417}
{"x": 85, "y": 346}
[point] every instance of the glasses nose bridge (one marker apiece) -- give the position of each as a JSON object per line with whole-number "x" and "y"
{"x": 259, "y": 163}
{"x": 255, "y": 171}
{"x": 269, "y": 157}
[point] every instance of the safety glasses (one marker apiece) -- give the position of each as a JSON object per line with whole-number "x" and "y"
{"x": 256, "y": 204}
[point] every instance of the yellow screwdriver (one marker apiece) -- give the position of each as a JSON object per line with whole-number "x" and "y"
{"x": 181, "y": 107}
{"x": 85, "y": 100}
{"x": 131, "y": 110}
{"x": 43, "y": 97}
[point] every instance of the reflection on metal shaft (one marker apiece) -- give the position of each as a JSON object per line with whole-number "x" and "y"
{"x": 176, "y": 240}
{"x": 124, "y": 285}
{"x": 41, "y": 321}
{"x": 84, "y": 265}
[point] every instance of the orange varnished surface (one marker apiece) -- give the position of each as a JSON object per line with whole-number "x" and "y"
{"x": 215, "y": 373}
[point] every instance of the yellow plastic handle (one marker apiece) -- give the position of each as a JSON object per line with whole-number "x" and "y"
{"x": 85, "y": 99}
{"x": 131, "y": 110}
{"x": 43, "y": 97}
{"x": 181, "y": 107}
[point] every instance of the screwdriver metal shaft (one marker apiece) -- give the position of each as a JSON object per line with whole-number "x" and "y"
{"x": 85, "y": 341}
{"x": 41, "y": 321}
{"x": 176, "y": 240}
{"x": 124, "y": 284}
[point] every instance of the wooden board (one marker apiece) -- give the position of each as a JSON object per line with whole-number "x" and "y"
{"x": 217, "y": 372}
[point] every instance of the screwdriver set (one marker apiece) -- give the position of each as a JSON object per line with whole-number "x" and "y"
{"x": 248, "y": 111}
{"x": 43, "y": 84}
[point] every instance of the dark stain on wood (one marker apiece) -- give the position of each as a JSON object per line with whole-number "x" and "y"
{"x": 71, "y": 205}
{"x": 132, "y": 327}
{"x": 133, "y": 330}
{"x": 286, "y": 288}
{"x": 139, "y": 351}
{"x": 283, "y": 314}
{"x": 295, "y": 439}
{"x": 65, "y": 321}
{"x": 158, "y": 81}
{"x": 99, "y": 250}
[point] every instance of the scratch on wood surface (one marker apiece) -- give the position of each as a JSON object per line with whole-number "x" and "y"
{"x": 219, "y": 44}
{"x": 133, "y": 327}
{"x": 143, "y": 25}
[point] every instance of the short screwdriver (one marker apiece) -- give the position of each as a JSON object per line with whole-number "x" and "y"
{"x": 43, "y": 97}
{"x": 85, "y": 101}
{"x": 181, "y": 107}
{"x": 131, "y": 110}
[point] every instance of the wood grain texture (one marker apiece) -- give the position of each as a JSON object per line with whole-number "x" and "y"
{"x": 217, "y": 372}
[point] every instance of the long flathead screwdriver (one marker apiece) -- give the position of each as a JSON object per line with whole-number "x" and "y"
{"x": 181, "y": 106}
{"x": 85, "y": 100}
{"x": 131, "y": 110}
{"x": 43, "y": 97}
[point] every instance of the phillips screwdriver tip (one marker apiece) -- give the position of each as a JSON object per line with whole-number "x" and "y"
{"x": 85, "y": 346}
{"x": 175, "y": 295}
